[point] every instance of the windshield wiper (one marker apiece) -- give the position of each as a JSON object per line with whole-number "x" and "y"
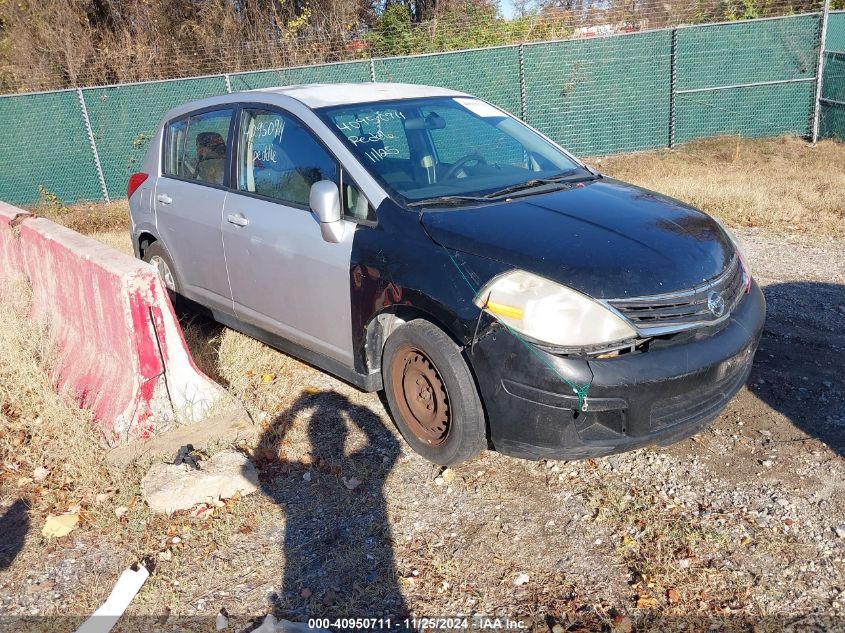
{"x": 539, "y": 182}
{"x": 449, "y": 200}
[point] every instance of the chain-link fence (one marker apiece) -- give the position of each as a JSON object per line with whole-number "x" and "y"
{"x": 832, "y": 96}
{"x": 595, "y": 94}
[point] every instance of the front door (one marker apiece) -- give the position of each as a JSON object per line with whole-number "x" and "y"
{"x": 284, "y": 277}
{"x": 189, "y": 201}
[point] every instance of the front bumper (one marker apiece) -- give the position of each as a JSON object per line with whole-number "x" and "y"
{"x": 657, "y": 397}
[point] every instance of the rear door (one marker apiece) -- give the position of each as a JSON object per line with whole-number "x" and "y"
{"x": 189, "y": 199}
{"x": 285, "y": 278}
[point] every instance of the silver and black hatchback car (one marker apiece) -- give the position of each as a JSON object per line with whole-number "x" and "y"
{"x": 424, "y": 242}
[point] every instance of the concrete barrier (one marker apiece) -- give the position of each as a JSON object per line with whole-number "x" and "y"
{"x": 120, "y": 350}
{"x": 10, "y": 257}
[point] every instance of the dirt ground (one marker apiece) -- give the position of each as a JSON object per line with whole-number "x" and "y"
{"x": 742, "y": 525}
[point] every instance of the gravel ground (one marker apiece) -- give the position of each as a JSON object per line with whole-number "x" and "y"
{"x": 745, "y": 521}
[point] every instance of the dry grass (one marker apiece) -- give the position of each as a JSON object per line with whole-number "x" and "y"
{"x": 783, "y": 184}
{"x": 88, "y": 218}
{"x": 49, "y": 452}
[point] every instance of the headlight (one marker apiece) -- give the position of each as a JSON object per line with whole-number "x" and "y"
{"x": 740, "y": 253}
{"x": 550, "y": 313}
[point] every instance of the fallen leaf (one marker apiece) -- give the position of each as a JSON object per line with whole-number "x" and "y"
{"x": 44, "y": 586}
{"x": 622, "y": 624}
{"x": 647, "y": 602}
{"x": 673, "y": 595}
{"x": 350, "y": 483}
{"x": 311, "y": 390}
{"x": 267, "y": 378}
{"x": 59, "y": 526}
{"x": 448, "y": 475}
{"x": 203, "y": 511}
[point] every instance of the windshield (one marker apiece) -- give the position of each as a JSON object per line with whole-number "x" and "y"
{"x": 446, "y": 146}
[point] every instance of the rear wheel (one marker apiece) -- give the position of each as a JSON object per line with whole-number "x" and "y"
{"x": 158, "y": 257}
{"x": 432, "y": 395}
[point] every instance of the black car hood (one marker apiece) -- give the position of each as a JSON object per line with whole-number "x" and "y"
{"x": 605, "y": 238}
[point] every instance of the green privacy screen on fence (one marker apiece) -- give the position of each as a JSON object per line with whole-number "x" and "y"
{"x": 43, "y": 141}
{"x": 715, "y": 64}
{"x": 595, "y": 96}
{"x": 123, "y": 119}
{"x": 833, "y": 88}
{"x": 602, "y": 95}
{"x": 492, "y": 74}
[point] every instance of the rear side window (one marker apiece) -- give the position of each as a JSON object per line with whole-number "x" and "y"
{"x": 280, "y": 159}
{"x": 196, "y": 147}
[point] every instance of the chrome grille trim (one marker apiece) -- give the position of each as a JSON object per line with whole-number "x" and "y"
{"x": 671, "y": 312}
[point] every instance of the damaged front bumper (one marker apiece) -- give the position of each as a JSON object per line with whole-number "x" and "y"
{"x": 656, "y": 397}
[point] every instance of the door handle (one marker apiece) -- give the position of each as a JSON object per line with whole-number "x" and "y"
{"x": 237, "y": 219}
{"x": 164, "y": 198}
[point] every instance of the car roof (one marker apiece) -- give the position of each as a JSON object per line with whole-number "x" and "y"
{"x": 312, "y": 96}
{"x": 322, "y": 95}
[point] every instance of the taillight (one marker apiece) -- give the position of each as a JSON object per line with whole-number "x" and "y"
{"x": 135, "y": 181}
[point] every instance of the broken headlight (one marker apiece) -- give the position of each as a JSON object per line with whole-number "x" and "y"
{"x": 547, "y": 312}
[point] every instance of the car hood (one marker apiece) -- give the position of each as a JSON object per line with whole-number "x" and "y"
{"x": 605, "y": 238}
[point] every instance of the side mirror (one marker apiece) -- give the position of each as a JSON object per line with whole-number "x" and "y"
{"x": 325, "y": 203}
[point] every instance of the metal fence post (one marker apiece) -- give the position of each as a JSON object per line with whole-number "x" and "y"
{"x": 93, "y": 144}
{"x": 372, "y": 70}
{"x": 523, "y": 105}
{"x": 228, "y": 81}
{"x": 817, "y": 104}
{"x": 673, "y": 84}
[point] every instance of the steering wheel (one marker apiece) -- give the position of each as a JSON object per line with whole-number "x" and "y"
{"x": 463, "y": 160}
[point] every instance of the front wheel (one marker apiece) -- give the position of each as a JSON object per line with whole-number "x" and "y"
{"x": 432, "y": 395}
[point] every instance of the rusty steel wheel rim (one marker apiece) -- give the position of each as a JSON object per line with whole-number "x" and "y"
{"x": 421, "y": 395}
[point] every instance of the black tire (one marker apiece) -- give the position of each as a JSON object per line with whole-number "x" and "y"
{"x": 156, "y": 251}
{"x": 432, "y": 395}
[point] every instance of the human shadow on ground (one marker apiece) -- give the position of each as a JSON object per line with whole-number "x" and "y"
{"x": 799, "y": 369}
{"x": 338, "y": 546}
{"x": 14, "y": 524}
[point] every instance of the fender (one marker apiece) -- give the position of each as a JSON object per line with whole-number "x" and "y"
{"x": 396, "y": 269}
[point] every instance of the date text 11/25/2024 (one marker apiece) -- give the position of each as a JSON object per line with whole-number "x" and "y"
{"x": 458, "y": 623}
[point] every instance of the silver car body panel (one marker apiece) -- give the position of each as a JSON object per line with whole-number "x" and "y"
{"x": 189, "y": 225}
{"x": 286, "y": 279}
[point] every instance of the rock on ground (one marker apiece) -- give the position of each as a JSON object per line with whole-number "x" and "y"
{"x": 170, "y": 487}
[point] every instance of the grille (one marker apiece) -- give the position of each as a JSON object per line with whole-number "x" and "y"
{"x": 685, "y": 308}
{"x": 700, "y": 403}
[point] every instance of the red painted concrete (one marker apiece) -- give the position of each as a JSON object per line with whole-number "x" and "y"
{"x": 120, "y": 350}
